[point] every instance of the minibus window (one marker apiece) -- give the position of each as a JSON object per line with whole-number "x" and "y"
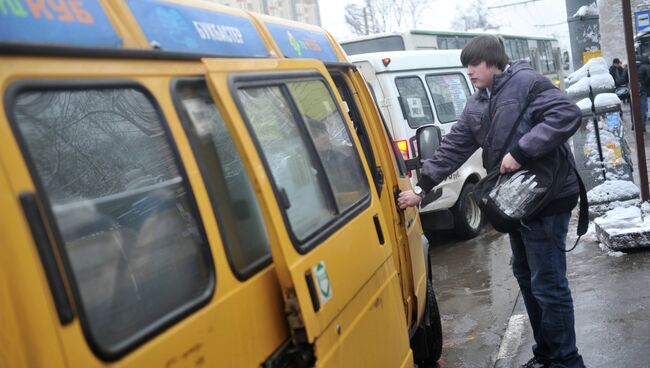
{"x": 129, "y": 228}
{"x": 296, "y": 172}
{"x": 332, "y": 141}
{"x": 414, "y": 101}
{"x": 450, "y": 94}
{"x": 230, "y": 190}
{"x": 360, "y": 129}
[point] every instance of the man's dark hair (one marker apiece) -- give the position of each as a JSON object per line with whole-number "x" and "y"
{"x": 616, "y": 61}
{"x": 486, "y": 48}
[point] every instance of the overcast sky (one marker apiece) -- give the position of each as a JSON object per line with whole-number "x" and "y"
{"x": 540, "y": 17}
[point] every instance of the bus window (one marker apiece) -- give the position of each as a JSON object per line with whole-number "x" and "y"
{"x": 389, "y": 43}
{"x": 121, "y": 209}
{"x": 229, "y": 188}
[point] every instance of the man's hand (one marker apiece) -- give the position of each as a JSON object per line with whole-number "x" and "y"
{"x": 509, "y": 164}
{"x": 408, "y": 199}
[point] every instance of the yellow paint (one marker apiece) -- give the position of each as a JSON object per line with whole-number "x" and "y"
{"x": 378, "y": 290}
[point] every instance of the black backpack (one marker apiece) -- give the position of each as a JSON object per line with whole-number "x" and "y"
{"x": 511, "y": 200}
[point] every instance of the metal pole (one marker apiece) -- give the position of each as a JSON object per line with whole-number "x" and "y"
{"x": 634, "y": 103}
{"x": 596, "y": 130}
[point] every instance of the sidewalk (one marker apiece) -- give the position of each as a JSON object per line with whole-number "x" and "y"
{"x": 611, "y": 292}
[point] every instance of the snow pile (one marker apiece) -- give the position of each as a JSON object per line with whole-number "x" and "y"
{"x": 598, "y": 82}
{"x": 612, "y": 190}
{"x": 602, "y": 81}
{"x": 623, "y": 228}
{"x": 594, "y": 66}
{"x": 585, "y": 106}
{"x": 609, "y": 252}
{"x": 580, "y": 88}
{"x": 585, "y": 10}
{"x": 606, "y": 100}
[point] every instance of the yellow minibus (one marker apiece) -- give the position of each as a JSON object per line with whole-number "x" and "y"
{"x": 185, "y": 184}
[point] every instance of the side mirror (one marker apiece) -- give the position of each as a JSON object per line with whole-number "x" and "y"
{"x": 428, "y": 140}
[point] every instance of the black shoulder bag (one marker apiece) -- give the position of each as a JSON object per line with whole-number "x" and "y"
{"x": 510, "y": 200}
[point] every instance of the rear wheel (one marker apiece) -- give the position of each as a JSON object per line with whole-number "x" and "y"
{"x": 427, "y": 341}
{"x": 468, "y": 217}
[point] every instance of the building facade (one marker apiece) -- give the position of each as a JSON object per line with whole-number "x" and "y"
{"x": 305, "y": 11}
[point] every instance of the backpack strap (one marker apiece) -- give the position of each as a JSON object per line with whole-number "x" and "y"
{"x": 532, "y": 94}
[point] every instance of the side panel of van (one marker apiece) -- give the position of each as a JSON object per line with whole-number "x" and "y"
{"x": 286, "y": 115}
{"x": 240, "y": 324}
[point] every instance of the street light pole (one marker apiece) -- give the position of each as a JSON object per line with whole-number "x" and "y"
{"x": 634, "y": 101}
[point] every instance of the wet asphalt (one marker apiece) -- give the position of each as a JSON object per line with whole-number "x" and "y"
{"x": 476, "y": 293}
{"x": 478, "y": 297}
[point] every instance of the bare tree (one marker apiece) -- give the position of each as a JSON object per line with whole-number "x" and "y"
{"x": 474, "y": 16}
{"x": 384, "y": 15}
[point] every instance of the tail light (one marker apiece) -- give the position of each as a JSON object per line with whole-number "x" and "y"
{"x": 403, "y": 147}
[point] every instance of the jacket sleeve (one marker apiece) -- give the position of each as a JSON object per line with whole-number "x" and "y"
{"x": 456, "y": 147}
{"x": 556, "y": 119}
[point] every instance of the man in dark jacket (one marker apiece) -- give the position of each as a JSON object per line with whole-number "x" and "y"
{"x": 551, "y": 118}
{"x": 643, "y": 76}
{"x": 618, "y": 72}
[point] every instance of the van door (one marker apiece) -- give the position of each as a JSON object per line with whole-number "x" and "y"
{"x": 333, "y": 259}
{"x": 406, "y": 229}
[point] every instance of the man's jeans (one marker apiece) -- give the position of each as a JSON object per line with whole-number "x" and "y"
{"x": 540, "y": 269}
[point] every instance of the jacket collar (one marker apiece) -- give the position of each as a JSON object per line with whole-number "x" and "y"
{"x": 500, "y": 80}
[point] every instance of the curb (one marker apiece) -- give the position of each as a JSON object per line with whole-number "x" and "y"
{"x": 514, "y": 335}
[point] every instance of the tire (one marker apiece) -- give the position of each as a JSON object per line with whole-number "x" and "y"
{"x": 468, "y": 217}
{"x": 427, "y": 341}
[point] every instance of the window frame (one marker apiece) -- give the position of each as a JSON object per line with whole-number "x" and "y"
{"x": 237, "y": 81}
{"x": 126, "y": 346}
{"x": 462, "y": 77}
{"x": 249, "y": 271}
{"x": 355, "y": 114}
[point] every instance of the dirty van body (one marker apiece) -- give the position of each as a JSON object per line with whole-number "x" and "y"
{"x": 166, "y": 200}
{"x": 419, "y": 88}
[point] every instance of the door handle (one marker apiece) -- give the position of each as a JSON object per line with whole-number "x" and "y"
{"x": 380, "y": 233}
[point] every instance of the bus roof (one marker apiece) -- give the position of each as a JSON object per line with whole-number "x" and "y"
{"x": 474, "y": 34}
{"x": 409, "y": 60}
{"x": 440, "y": 33}
{"x": 193, "y": 28}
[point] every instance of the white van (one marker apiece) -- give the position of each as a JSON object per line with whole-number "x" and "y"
{"x": 416, "y": 88}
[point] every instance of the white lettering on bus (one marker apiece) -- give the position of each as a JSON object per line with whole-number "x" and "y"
{"x": 217, "y": 32}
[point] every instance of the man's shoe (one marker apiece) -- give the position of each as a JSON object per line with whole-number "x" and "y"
{"x": 534, "y": 363}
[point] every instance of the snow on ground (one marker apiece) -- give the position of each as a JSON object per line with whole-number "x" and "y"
{"x": 612, "y": 190}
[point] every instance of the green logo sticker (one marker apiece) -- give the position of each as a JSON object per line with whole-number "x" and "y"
{"x": 323, "y": 282}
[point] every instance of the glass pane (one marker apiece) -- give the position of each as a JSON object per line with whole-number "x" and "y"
{"x": 295, "y": 171}
{"x": 332, "y": 140}
{"x": 450, "y": 94}
{"x": 230, "y": 190}
{"x": 120, "y": 204}
{"x": 388, "y": 43}
{"x": 415, "y": 101}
